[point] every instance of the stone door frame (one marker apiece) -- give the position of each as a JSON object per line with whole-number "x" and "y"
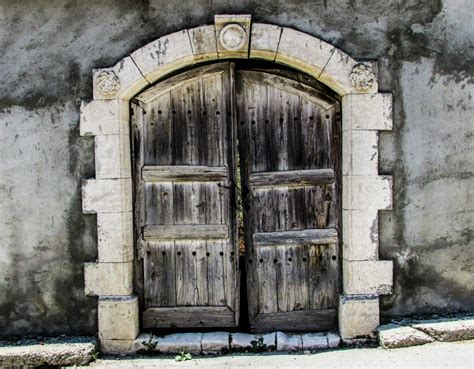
{"x": 365, "y": 111}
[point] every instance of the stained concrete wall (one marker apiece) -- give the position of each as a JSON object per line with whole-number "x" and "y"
{"x": 48, "y": 49}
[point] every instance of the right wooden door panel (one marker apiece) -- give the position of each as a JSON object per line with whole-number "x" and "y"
{"x": 288, "y": 146}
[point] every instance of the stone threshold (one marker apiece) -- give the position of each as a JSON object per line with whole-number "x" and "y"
{"x": 406, "y": 333}
{"x": 221, "y": 342}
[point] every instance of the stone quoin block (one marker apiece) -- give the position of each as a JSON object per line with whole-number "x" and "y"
{"x": 108, "y": 279}
{"x": 164, "y": 55}
{"x": 203, "y": 42}
{"x": 367, "y": 277}
{"x": 104, "y": 117}
{"x": 367, "y": 192}
{"x": 264, "y": 41}
{"x": 360, "y": 234}
{"x": 358, "y": 316}
{"x": 303, "y": 51}
{"x": 118, "y": 82}
{"x": 367, "y": 112}
{"x": 118, "y": 317}
{"x": 115, "y": 237}
{"x": 120, "y": 347}
{"x": 112, "y": 156}
{"x": 232, "y": 35}
{"x": 360, "y": 150}
{"x": 106, "y": 195}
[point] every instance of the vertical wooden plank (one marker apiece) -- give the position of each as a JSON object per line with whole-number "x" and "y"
{"x": 263, "y": 210}
{"x": 266, "y": 274}
{"x": 280, "y": 209}
{"x": 215, "y": 272}
{"x": 159, "y": 275}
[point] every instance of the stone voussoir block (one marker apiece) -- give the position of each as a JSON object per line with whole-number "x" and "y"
{"x": 121, "y": 81}
{"x": 360, "y": 153}
{"x": 395, "y": 336}
{"x": 203, "y": 42}
{"x": 367, "y": 277}
{"x": 215, "y": 342}
{"x": 288, "y": 342}
{"x": 115, "y": 237}
{"x": 338, "y": 73}
{"x": 359, "y": 316}
{"x": 360, "y": 234}
{"x": 367, "y": 111}
{"x": 108, "y": 279}
{"x": 367, "y": 192}
{"x": 265, "y": 39}
{"x": 112, "y": 156}
{"x": 301, "y": 50}
{"x": 118, "y": 317}
{"x": 104, "y": 117}
{"x": 164, "y": 55}
{"x": 106, "y": 195}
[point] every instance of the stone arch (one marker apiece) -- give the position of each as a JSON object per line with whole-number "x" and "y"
{"x": 109, "y": 194}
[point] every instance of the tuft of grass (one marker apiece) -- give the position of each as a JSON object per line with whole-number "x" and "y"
{"x": 183, "y": 356}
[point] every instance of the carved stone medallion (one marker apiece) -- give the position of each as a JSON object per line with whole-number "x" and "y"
{"x": 108, "y": 83}
{"x": 232, "y": 37}
{"x": 362, "y": 77}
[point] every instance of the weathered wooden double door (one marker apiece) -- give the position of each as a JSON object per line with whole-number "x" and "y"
{"x": 217, "y": 139}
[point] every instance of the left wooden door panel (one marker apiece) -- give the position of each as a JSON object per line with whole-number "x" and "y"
{"x": 185, "y": 204}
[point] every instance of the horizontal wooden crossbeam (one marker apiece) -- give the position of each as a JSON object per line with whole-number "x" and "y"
{"x": 183, "y": 173}
{"x": 292, "y": 178}
{"x": 186, "y": 231}
{"x": 303, "y": 237}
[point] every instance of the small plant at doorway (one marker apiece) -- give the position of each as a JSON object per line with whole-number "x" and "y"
{"x": 150, "y": 344}
{"x": 183, "y": 356}
{"x": 258, "y": 345}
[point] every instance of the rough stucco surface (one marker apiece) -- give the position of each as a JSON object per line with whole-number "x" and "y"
{"x": 49, "y": 48}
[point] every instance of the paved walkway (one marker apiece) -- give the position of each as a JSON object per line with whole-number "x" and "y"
{"x": 436, "y": 355}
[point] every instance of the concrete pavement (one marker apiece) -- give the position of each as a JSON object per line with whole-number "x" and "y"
{"x": 435, "y": 355}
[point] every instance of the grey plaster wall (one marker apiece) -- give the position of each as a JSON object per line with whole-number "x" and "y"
{"x": 48, "y": 49}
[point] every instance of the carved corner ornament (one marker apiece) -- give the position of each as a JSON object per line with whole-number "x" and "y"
{"x": 362, "y": 76}
{"x": 108, "y": 83}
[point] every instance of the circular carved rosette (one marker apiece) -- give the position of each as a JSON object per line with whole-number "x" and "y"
{"x": 362, "y": 76}
{"x": 108, "y": 83}
{"x": 232, "y": 37}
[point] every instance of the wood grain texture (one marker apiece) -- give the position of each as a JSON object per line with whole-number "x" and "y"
{"x": 186, "y": 231}
{"x": 183, "y": 173}
{"x": 290, "y": 175}
{"x": 304, "y": 237}
{"x": 188, "y": 317}
{"x": 292, "y": 178}
{"x": 185, "y": 176}
{"x": 295, "y": 321}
